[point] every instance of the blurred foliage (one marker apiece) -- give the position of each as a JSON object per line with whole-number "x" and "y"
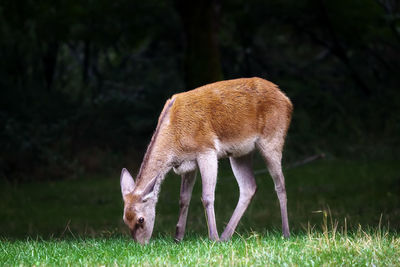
{"x": 82, "y": 82}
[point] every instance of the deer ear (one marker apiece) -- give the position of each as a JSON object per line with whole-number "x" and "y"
{"x": 148, "y": 192}
{"x": 127, "y": 182}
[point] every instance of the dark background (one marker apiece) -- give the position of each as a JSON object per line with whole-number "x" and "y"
{"x": 83, "y": 82}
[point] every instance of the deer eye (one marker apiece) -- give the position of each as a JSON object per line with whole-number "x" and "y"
{"x": 141, "y": 220}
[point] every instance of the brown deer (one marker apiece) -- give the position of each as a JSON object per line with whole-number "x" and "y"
{"x": 196, "y": 128}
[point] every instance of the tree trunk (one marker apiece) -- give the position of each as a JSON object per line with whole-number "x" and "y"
{"x": 49, "y": 60}
{"x": 202, "y": 59}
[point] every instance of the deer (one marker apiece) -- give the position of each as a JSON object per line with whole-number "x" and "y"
{"x": 225, "y": 119}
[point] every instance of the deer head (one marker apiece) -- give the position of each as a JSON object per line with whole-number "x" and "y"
{"x": 139, "y": 207}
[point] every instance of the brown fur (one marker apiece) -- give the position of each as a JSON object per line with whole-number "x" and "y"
{"x": 230, "y": 111}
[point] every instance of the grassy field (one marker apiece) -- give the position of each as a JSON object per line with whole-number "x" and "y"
{"x": 360, "y": 248}
{"x": 340, "y": 212}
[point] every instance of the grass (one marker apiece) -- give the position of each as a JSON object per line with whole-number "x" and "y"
{"x": 360, "y": 248}
{"x": 341, "y": 213}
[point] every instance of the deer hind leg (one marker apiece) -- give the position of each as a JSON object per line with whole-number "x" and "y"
{"x": 188, "y": 180}
{"x": 271, "y": 150}
{"x": 208, "y": 166}
{"x": 242, "y": 169}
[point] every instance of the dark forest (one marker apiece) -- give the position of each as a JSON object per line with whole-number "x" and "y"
{"x": 82, "y": 82}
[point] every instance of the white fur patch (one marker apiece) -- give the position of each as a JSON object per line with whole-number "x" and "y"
{"x": 234, "y": 149}
{"x": 185, "y": 166}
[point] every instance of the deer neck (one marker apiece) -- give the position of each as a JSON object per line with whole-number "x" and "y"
{"x": 157, "y": 162}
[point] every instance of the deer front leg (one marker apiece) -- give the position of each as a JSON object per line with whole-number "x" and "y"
{"x": 247, "y": 187}
{"x": 208, "y": 166}
{"x": 188, "y": 180}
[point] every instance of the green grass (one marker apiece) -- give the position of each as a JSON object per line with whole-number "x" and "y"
{"x": 340, "y": 212}
{"x": 310, "y": 249}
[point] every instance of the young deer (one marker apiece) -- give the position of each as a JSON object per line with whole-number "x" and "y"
{"x": 196, "y": 128}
